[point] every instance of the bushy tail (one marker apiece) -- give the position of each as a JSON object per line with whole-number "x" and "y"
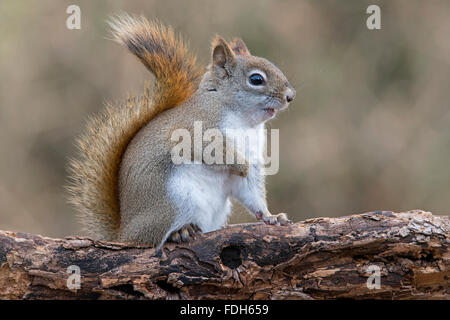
{"x": 93, "y": 179}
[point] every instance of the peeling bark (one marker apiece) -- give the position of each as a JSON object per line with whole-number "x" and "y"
{"x": 321, "y": 258}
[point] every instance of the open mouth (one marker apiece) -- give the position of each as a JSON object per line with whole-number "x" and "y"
{"x": 270, "y": 111}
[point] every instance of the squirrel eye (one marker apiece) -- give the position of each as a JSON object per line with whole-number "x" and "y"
{"x": 256, "y": 79}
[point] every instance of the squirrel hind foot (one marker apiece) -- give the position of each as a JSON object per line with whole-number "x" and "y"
{"x": 280, "y": 219}
{"x": 184, "y": 234}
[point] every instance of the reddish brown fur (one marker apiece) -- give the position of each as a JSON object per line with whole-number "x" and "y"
{"x": 94, "y": 174}
{"x": 238, "y": 46}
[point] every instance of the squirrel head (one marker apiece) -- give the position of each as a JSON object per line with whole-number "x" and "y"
{"x": 250, "y": 85}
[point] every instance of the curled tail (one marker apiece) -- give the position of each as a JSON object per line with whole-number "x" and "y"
{"x": 93, "y": 176}
{"x": 164, "y": 54}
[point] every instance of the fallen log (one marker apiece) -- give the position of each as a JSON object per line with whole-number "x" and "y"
{"x": 376, "y": 255}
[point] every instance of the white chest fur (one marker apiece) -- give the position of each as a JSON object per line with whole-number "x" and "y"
{"x": 250, "y": 141}
{"x": 202, "y": 195}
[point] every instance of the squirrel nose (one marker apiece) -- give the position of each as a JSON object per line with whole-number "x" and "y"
{"x": 290, "y": 94}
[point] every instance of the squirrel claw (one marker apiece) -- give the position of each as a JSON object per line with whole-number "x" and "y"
{"x": 280, "y": 219}
{"x": 283, "y": 219}
{"x": 175, "y": 237}
{"x": 185, "y": 234}
{"x": 196, "y": 229}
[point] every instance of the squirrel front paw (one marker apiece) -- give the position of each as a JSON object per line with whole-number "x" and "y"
{"x": 240, "y": 169}
{"x": 184, "y": 234}
{"x": 274, "y": 219}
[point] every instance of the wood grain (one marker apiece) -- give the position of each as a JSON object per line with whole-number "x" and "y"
{"x": 323, "y": 258}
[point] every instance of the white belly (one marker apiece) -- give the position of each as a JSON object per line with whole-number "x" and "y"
{"x": 201, "y": 196}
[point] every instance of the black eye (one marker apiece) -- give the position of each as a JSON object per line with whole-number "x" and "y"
{"x": 256, "y": 79}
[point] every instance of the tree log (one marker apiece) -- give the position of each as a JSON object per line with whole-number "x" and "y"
{"x": 323, "y": 258}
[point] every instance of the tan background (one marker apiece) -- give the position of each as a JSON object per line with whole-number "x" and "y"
{"x": 370, "y": 128}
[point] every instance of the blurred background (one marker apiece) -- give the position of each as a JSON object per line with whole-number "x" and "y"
{"x": 369, "y": 129}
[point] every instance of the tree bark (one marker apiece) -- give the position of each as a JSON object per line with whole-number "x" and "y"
{"x": 321, "y": 258}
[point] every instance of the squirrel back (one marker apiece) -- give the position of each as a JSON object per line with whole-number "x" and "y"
{"x": 93, "y": 179}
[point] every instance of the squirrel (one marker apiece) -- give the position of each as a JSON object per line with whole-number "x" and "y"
{"x": 124, "y": 183}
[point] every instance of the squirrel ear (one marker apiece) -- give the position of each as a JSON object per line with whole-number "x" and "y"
{"x": 222, "y": 55}
{"x": 239, "y": 47}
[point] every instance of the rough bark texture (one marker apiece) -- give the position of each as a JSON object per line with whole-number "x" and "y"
{"x": 316, "y": 259}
